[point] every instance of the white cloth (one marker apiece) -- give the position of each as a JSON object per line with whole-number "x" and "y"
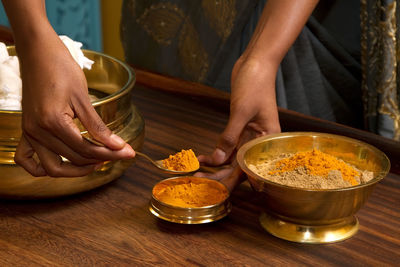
{"x": 10, "y": 78}
{"x": 76, "y": 52}
{"x": 10, "y": 81}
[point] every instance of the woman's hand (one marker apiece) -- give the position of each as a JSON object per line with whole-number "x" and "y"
{"x": 253, "y": 109}
{"x": 54, "y": 93}
{"x": 253, "y": 113}
{"x": 253, "y": 106}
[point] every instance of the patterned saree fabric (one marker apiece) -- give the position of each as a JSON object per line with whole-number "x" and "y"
{"x": 321, "y": 75}
{"x": 380, "y": 55}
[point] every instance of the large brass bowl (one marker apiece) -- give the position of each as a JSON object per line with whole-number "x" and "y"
{"x": 109, "y": 80}
{"x": 311, "y": 215}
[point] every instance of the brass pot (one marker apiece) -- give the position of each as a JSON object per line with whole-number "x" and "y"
{"x": 111, "y": 82}
{"x": 312, "y": 215}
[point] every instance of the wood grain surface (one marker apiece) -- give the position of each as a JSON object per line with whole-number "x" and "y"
{"x": 112, "y": 225}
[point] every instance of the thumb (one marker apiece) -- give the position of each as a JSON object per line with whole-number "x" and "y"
{"x": 97, "y": 128}
{"x": 227, "y": 142}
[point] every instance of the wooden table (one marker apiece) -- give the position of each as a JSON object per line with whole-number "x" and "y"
{"x": 112, "y": 225}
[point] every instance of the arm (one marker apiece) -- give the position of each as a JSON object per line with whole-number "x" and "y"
{"x": 54, "y": 93}
{"x": 253, "y": 108}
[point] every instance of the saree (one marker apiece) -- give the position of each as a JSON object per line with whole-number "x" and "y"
{"x": 324, "y": 74}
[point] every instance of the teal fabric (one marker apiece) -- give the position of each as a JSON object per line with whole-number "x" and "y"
{"x": 3, "y": 16}
{"x": 79, "y": 19}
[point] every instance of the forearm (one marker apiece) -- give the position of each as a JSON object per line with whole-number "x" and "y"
{"x": 277, "y": 29}
{"x": 29, "y": 23}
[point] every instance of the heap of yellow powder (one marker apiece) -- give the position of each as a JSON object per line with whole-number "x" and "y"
{"x": 185, "y": 160}
{"x": 191, "y": 192}
{"x": 316, "y": 163}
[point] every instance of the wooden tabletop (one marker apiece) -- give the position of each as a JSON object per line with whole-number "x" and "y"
{"x": 112, "y": 225}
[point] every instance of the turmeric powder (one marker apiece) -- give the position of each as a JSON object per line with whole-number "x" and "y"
{"x": 316, "y": 163}
{"x": 190, "y": 192}
{"x": 185, "y": 160}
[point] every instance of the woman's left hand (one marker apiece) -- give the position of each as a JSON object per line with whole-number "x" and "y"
{"x": 254, "y": 110}
{"x": 253, "y": 113}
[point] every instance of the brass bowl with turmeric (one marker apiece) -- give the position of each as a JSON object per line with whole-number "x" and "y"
{"x": 190, "y": 200}
{"x": 312, "y": 184}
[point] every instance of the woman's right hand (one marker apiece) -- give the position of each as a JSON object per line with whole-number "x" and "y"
{"x": 55, "y": 92}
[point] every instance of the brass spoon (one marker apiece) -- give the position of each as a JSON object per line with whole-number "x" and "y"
{"x": 157, "y": 163}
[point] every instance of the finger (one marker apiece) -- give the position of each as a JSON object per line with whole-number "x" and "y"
{"x": 216, "y": 173}
{"x": 54, "y": 165}
{"x": 229, "y": 177}
{"x": 227, "y": 141}
{"x": 236, "y": 177}
{"x": 58, "y": 147}
{"x": 66, "y": 130}
{"x": 24, "y": 157}
{"x": 96, "y": 127}
{"x": 216, "y": 176}
{"x": 246, "y": 136}
{"x": 208, "y": 160}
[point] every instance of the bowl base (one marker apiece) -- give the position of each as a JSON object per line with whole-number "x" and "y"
{"x": 312, "y": 234}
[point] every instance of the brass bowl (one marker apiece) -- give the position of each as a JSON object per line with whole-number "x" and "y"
{"x": 183, "y": 215}
{"x": 312, "y": 215}
{"x": 111, "y": 81}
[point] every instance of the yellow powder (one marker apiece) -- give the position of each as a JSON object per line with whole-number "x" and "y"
{"x": 185, "y": 160}
{"x": 191, "y": 193}
{"x": 316, "y": 163}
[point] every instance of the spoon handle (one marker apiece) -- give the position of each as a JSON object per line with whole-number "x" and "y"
{"x": 93, "y": 141}
{"x": 148, "y": 158}
{"x": 87, "y": 137}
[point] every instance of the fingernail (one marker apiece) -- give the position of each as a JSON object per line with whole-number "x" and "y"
{"x": 219, "y": 155}
{"x": 118, "y": 140}
{"x": 128, "y": 150}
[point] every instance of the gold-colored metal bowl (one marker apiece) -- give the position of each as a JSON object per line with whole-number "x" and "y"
{"x": 111, "y": 82}
{"x": 183, "y": 215}
{"x": 312, "y": 215}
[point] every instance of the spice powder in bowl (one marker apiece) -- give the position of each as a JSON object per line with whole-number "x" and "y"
{"x": 190, "y": 192}
{"x": 190, "y": 200}
{"x": 311, "y": 170}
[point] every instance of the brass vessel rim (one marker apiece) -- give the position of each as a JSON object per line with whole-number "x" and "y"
{"x": 193, "y": 208}
{"x": 123, "y": 91}
{"x": 244, "y": 148}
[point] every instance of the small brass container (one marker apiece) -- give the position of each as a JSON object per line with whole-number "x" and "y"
{"x": 184, "y": 215}
{"x": 111, "y": 82}
{"x": 312, "y": 215}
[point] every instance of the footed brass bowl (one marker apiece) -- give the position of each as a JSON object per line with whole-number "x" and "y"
{"x": 110, "y": 81}
{"x": 312, "y": 215}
